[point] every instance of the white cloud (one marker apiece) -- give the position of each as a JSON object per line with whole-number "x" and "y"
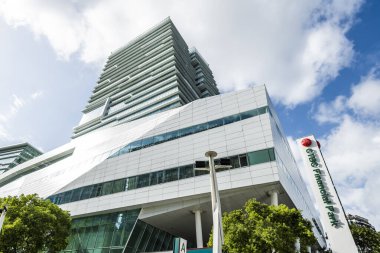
{"x": 352, "y": 148}
{"x": 352, "y": 153}
{"x": 36, "y": 95}
{"x": 364, "y": 102}
{"x": 7, "y": 115}
{"x": 292, "y": 46}
{"x": 332, "y": 112}
{"x": 365, "y": 99}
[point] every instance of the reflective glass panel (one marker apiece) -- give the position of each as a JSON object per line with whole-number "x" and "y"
{"x": 249, "y": 114}
{"x": 200, "y": 127}
{"x": 143, "y": 180}
{"x": 156, "y": 177}
{"x": 107, "y": 188}
{"x": 272, "y": 154}
{"x": 234, "y": 162}
{"x": 231, "y": 119}
{"x": 136, "y": 145}
{"x": 215, "y": 123}
{"x": 132, "y": 183}
{"x": 171, "y": 175}
{"x": 119, "y": 185}
{"x": 243, "y": 160}
{"x": 257, "y": 157}
{"x": 86, "y": 192}
{"x": 262, "y": 110}
{"x": 171, "y": 135}
{"x": 125, "y": 150}
{"x": 147, "y": 142}
{"x": 158, "y": 139}
{"x": 76, "y": 194}
{"x": 186, "y": 131}
{"x": 186, "y": 171}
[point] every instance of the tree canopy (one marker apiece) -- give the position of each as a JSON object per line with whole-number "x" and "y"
{"x": 33, "y": 224}
{"x": 262, "y": 228}
{"x": 367, "y": 239}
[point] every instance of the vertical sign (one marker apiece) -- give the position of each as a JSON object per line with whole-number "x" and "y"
{"x": 180, "y": 245}
{"x": 331, "y": 211}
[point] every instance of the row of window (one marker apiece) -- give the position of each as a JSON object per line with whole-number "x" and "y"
{"x": 155, "y": 140}
{"x": 157, "y": 177}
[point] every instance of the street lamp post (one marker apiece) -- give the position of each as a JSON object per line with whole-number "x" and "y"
{"x": 215, "y": 198}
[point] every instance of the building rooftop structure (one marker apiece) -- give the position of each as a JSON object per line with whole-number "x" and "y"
{"x": 152, "y": 73}
{"x": 13, "y": 155}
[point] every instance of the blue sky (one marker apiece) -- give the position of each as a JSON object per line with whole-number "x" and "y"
{"x": 319, "y": 60}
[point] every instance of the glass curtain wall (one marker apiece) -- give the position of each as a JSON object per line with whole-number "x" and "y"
{"x": 119, "y": 232}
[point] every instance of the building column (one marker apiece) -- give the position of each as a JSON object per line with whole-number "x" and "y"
{"x": 273, "y": 197}
{"x": 198, "y": 228}
{"x": 308, "y": 249}
{"x": 297, "y": 245}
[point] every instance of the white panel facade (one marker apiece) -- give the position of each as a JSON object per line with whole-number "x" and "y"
{"x": 90, "y": 162}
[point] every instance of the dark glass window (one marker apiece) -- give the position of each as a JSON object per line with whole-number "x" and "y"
{"x": 215, "y": 123}
{"x": 86, "y": 192}
{"x": 158, "y": 139}
{"x": 76, "y": 194}
{"x": 231, "y": 119}
{"x": 96, "y": 191}
{"x": 136, "y": 145}
{"x": 147, "y": 142}
{"x": 132, "y": 183}
{"x": 201, "y": 172}
{"x": 125, "y": 150}
{"x": 58, "y": 198}
{"x": 257, "y": 157}
{"x": 171, "y": 135}
{"x": 156, "y": 177}
{"x": 186, "y": 131}
{"x": 152, "y": 240}
{"x": 171, "y": 175}
{"x": 186, "y": 171}
{"x": 119, "y": 185}
{"x": 235, "y": 162}
{"x": 200, "y": 127}
{"x": 249, "y": 114}
{"x": 272, "y": 154}
{"x": 243, "y": 160}
{"x": 143, "y": 180}
{"x": 262, "y": 110}
{"x": 67, "y": 197}
{"x": 107, "y": 188}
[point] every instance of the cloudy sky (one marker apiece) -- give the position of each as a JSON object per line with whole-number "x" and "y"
{"x": 318, "y": 58}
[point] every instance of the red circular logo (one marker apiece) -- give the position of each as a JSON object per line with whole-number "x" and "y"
{"x": 306, "y": 142}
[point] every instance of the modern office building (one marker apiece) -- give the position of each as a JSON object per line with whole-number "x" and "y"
{"x": 128, "y": 177}
{"x": 11, "y": 156}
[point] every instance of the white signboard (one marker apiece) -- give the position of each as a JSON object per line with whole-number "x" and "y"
{"x": 330, "y": 208}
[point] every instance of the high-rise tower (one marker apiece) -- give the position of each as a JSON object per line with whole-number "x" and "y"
{"x": 152, "y": 73}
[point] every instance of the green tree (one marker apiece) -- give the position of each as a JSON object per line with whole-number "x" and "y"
{"x": 33, "y": 224}
{"x": 367, "y": 239}
{"x": 262, "y": 228}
